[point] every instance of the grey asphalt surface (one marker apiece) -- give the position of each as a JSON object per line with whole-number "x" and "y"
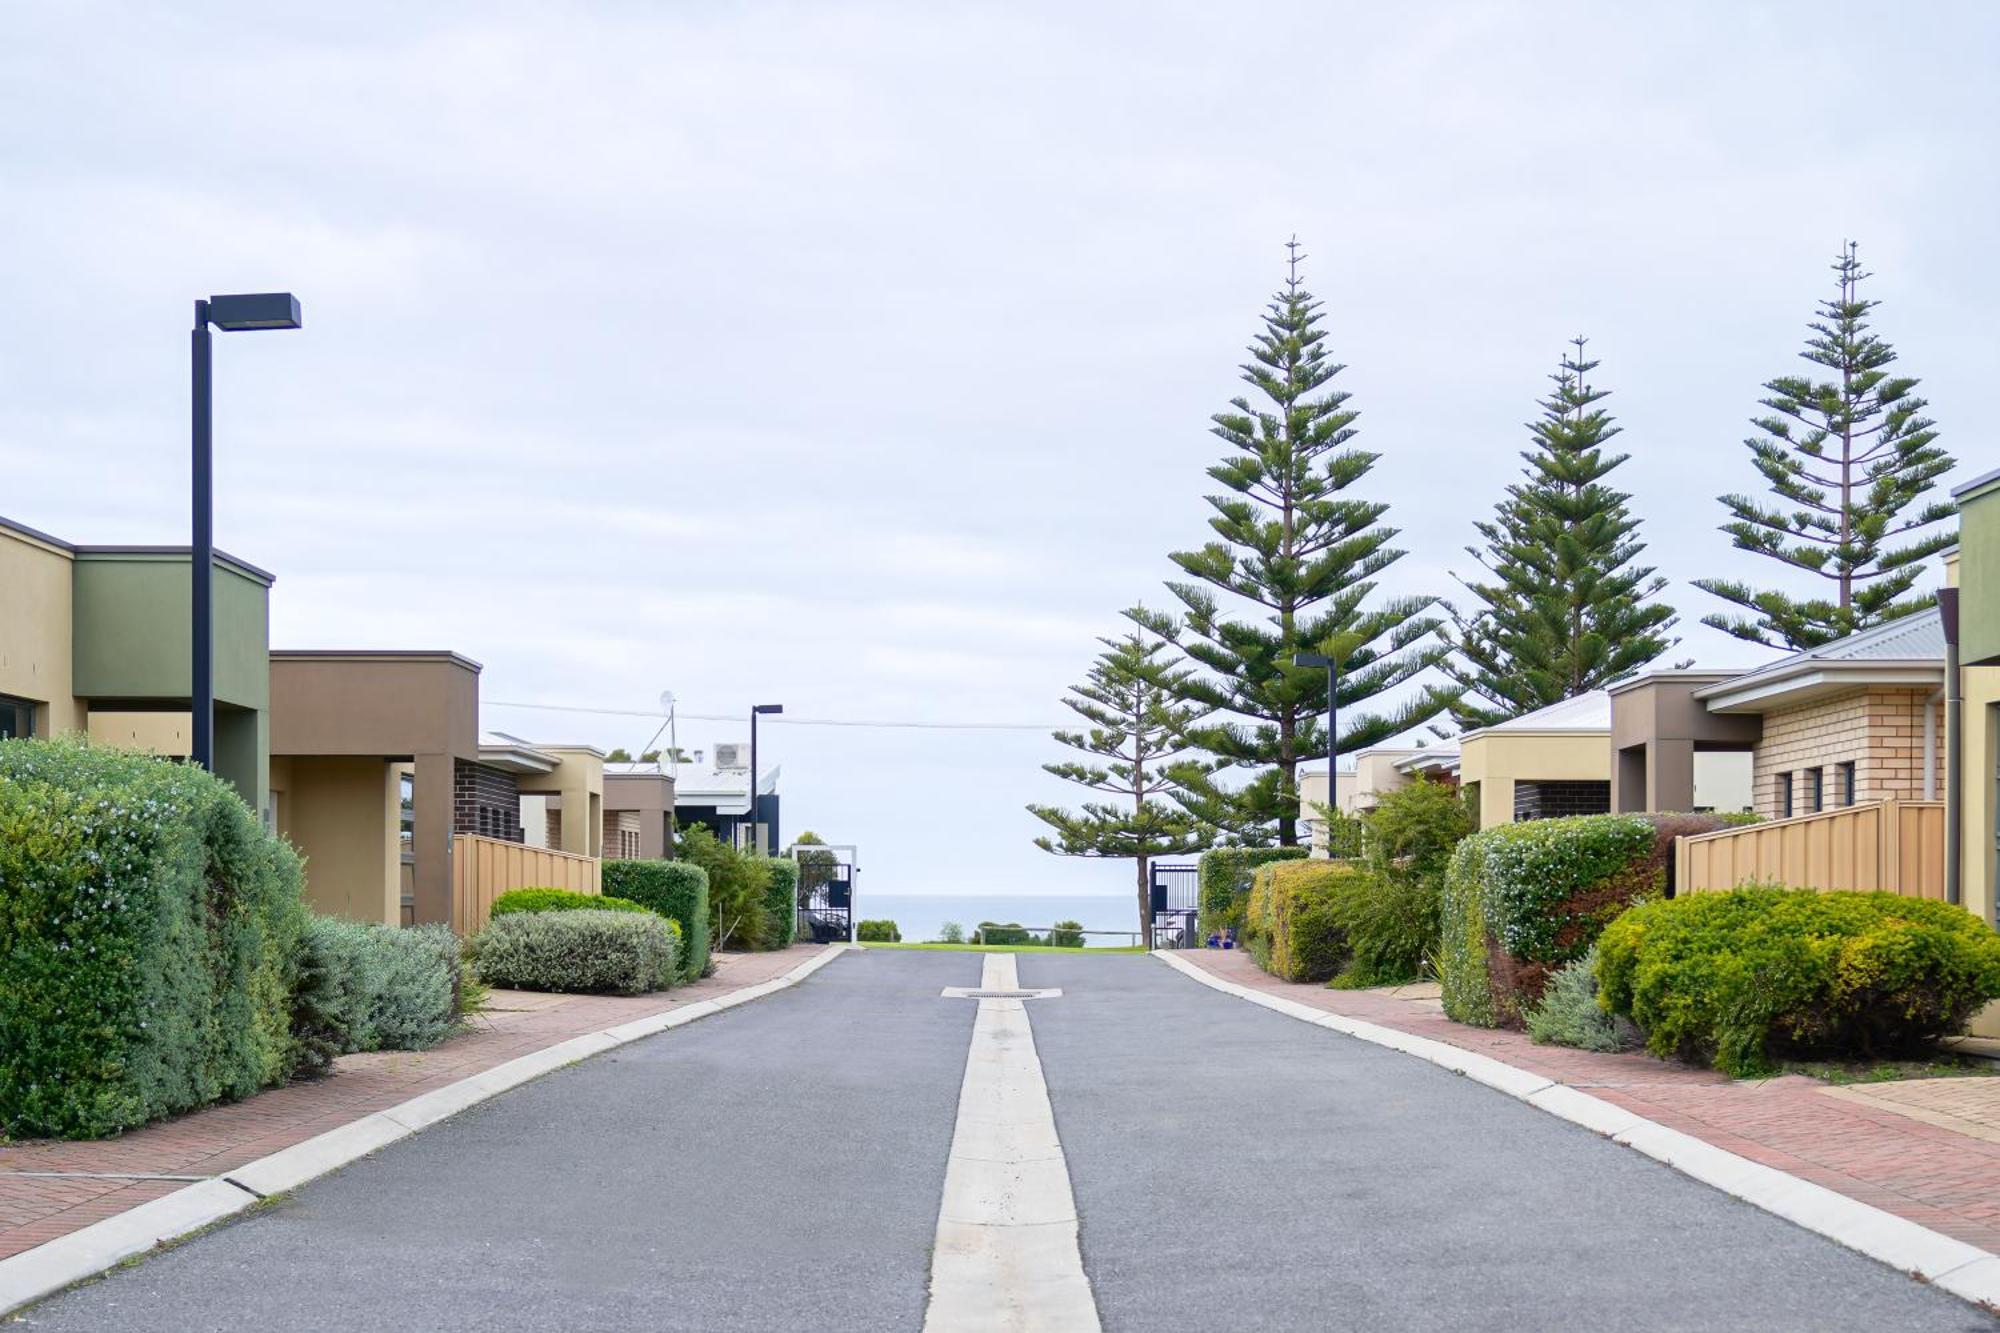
{"x": 1238, "y": 1169}
{"x": 777, "y": 1166}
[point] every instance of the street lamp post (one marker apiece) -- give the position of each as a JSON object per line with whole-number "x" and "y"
{"x": 1332, "y": 736}
{"x": 261, "y": 310}
{"x": 755, "y": 710}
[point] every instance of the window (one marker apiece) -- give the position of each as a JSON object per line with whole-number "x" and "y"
{"x": 1847, "y": 782}
{"x": 1815, "y": 790}
{"x": 17, "y": 717}
{"x": 406, "y": 833}
{"x": 1784, "y": 795}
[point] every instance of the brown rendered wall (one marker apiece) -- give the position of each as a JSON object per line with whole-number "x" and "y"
{"x": 651, "y": 797}
{"x": 1656, "y": 726}
{"x": 419, "y": 707}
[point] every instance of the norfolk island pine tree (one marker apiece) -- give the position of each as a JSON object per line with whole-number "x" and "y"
{"x": 1564, "y": 607}
{"x": 1132, "y": 740}
{"x": 1303, "y": 554}
{"x": 1846, "y": 458}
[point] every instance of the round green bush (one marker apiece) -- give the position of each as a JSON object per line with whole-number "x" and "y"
{"x": 877, "y": 932}
{"x": 561, "y": 900}
{"x": 1750, "y": 976}
{"x": 373, "y": 988}
{"x": 617, "y": 952}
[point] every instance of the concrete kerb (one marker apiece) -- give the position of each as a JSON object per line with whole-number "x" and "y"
{"x": 1966, "y": 1271}
{"x": 88, "y": 1251}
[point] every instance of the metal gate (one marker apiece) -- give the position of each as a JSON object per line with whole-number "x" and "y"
{"x": 1175, "y": 900}
{"x": 826, "y": 898}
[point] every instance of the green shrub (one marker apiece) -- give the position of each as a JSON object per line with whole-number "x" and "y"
{"x": 1460, "y": 962}
{"x": 1390, "y": 921}
{"x": 781, "y": 901}
{"x": 1291, "y": 923}
{"x": 991, "y": 932}
{"x": 1223, "y": 875}
{"x": 560, "y": 900}
{"x": 1569, "y": 1014}
{"x": 1414, "y": 829}
{"x": 1746, "y": 977}
{"x": 1550, "y": 886}
{"x": 677, "y": 890}
{"x": 622, "y": 953}
{"x": 738, "y": 890}
{"x": 148, "y": 931}
{"x": 877, "y": 932}
{"x": 1066, "y": 935}
{"x": 373, "y": 988}
{"x": 951, "y": 933}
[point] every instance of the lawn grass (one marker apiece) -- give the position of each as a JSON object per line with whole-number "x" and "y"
{"x": 1010, "y": 948}
{"x": 1843, "y": 1072}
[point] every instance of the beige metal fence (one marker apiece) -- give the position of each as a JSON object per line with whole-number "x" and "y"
{"x": 1894, "y": 846}
{"x": 484, "y": 868}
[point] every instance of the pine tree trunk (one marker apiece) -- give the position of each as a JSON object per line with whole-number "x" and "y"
{"x": 1145, "y": 903}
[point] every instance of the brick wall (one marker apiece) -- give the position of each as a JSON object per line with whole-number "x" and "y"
{"x": 485, "y": 801}
{"x": 1880, "y": 731}
{"x": 1552, "y": 800}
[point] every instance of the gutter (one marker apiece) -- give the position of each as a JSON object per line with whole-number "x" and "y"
{"x": 1954, "y": 744}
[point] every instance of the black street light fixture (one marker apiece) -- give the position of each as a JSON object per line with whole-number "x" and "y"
{"x": 231, "y": 314}
{"x": 755, "y": 711}
{"x": 1332, "y": 685}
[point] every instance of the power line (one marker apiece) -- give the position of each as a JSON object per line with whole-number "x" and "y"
{"x": 784, "y": 719}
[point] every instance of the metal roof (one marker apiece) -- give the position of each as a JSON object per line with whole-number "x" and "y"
{"x": 1905, "y": 651}
{"x": 1589, "y": 711}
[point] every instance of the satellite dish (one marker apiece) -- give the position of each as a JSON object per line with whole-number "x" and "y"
{"x": 667, "y": 701}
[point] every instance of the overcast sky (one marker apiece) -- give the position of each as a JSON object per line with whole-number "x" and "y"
{"x": 860, "y": 357}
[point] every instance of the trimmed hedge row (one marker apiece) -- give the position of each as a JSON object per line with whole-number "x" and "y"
{"x": 1223, "y": 879}
{"x": 781, "y": 900}
{"x": 1546, "y": 889}
{"x": 1291, "y": 923}
{"x": 617, "y": 952}
{"x": 877, "y": 932}
{"x": 373, "y": 988}
{"x": 148, "y": 927}
{"x": 677, "y": 890}
{"x": 1745, "y": 977}
{"x": 560, "y": 900}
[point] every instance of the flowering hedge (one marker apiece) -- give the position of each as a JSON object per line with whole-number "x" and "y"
{"x": 1223, "y": 876}
{"x": 147, "y": 929}
{"x": 1521, "y": 900}
{"x": 1292, "y": 924}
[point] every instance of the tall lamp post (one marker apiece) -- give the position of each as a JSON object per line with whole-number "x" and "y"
{"x": 755, "y": 711}
{"x": 1332, "y": 735}
{"x": 231, "y": 314}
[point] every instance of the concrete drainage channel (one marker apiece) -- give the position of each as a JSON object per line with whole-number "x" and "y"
{"x": 1966, "y": 1271}
{"x": 48, "y": 1268}
{"x": 1007, "y": 1255}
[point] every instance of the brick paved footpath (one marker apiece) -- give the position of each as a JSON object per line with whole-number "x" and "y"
{"x": 1924, "y": 1149}
{"x": 210, "y": 1142}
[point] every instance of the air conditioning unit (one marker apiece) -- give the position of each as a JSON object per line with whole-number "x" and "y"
{"x": 732, "y": 756}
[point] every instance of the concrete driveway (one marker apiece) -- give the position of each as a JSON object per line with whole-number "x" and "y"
{"x": 780, "y": 1166}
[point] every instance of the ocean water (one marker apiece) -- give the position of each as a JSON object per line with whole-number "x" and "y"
{"x": 922, "y": 916}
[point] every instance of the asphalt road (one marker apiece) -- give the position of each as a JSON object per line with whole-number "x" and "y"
{"x": 776, "y": 1166}
{"x": 779, "y": 1167}
{"x": 1238, "y": 1169}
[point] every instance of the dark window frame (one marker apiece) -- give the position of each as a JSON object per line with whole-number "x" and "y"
{"x": 1785, "y": 807}
{"x": 1849, "y": 780}
{"x": 1816, "y": 789}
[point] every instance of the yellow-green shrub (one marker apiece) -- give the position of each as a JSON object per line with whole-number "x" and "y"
{"x": 1748, "y": 976}
{"x": 1292, "y": 921}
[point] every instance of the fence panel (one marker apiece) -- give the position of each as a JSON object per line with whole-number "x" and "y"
{"x": 484, "y": 868}
{"x": 1893, "y": 846}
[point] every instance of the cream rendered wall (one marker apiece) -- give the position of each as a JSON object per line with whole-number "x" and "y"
{"x": 1499, "y": 759}
{"x": 579, "y": 780}
{"x": 343, "y": 813}
{"x": 151, "y": 733}
{"x": 1312, "y": 795}
{"x": 1724, "y": 780}
{"x": 36, "y": 632}
{"x": 1375, "y": 776}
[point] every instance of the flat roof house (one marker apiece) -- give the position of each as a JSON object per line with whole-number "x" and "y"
{"x": 716, "y": 792}
{"x": 1553, "y": 761}
{"x": 97, "y": 640}
{"x": 638, "y": 811}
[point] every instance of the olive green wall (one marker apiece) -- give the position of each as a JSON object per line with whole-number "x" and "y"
{"x": 132, "y": 643}
{"x": 1979, "y": 573}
